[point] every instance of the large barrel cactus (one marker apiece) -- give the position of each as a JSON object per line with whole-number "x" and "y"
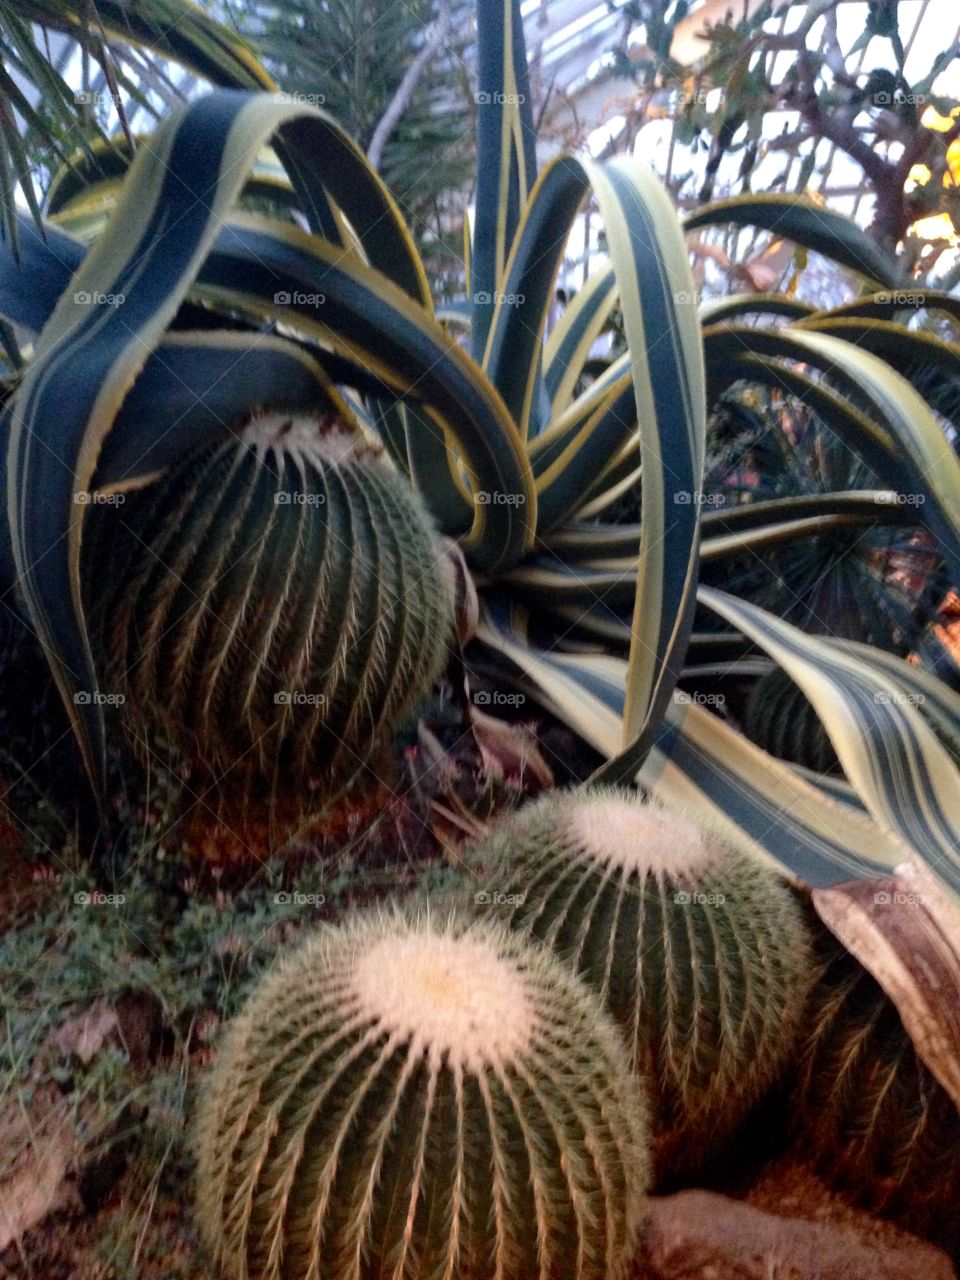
{"x": 698, "y": 950}
{"x": 780, "y": 718}
{"x": 279, "y": 597}
{"x": 408, "y": 1097}
{"x": 868, "y": 1111}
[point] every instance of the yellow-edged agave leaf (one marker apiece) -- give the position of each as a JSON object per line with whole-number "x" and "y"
{"x": 899, "y": 436}
{"x": 801, "y": 220}
{"x": 930, "y": 364}
{"x": 568, "y": 347}
{"x": 912, "y": 296}
{"x": 933, "y": 698}
{"x": 565, "y": 426}
{"x": 506, "y": 154}
{"x": 197, "y": 385}
{"x": 657, "y": 298}
{"x": 699, "y": 761}
{"x": 757, "y": 525}
{"x": 721, "y": 310}
{"x": 902, "y": 772}
{"x": 702, "y": 763}
{"x": 35, "y": 273}
{"x": 566, "y": 471}
{"x": 128, "y": 289}
{"x": 276, "y": 270}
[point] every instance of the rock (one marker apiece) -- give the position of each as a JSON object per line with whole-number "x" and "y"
{"x": 698, "y": 1235}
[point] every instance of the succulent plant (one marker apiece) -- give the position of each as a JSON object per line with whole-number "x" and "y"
{"x": 698, "y": 950}
{"x": 404, "y": 1096}
{"x": 867, "y": 1109}
{"x": 279, "y": 596}
{"x": 779, "y": 717}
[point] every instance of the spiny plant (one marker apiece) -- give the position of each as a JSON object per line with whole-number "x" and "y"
{"x": 779, "y": 717}
{"x": 280, "y": 596}
{"x": 407, "y": 1096}
{"x": 868, "y": 1110}
{"x": 698, "y": 950}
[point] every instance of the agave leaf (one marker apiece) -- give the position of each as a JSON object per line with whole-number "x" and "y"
{"x": 506, "y": 154}
{"x": 899, "y": 437}
{"x": 902, "y": 772}
{"x": 568, "y": 347}
{"x": 723, "y": 310}
{"x": 806, "y": 223}
{"x": 699, "y": 761}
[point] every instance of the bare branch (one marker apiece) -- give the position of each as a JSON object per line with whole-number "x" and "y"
{"x": 407, "y": 87}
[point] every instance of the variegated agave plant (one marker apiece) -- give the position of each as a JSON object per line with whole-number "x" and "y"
{"x": 163, "y": 314}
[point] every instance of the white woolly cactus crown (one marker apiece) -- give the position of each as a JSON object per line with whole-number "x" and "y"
{"x": 410, "y": 1096}
{"x": 699, "y": 950}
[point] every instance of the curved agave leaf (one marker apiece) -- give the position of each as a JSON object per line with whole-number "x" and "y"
{"x": 506, "y": 154}
{"x": 200, "y": 385}
{"x": 699, "y": 762}
{"x": 901, "y": 439}
{"x": 723, "y": 310}
{"x": 702, "y": 763}
{"x": 885, "y": 304}
{"x": 806, "y": 223}
{"x": 566, "y": 350}
{"x": 930, "y": 365}
{"x": 128, "y": 289}
{"x": 904, "y": 775}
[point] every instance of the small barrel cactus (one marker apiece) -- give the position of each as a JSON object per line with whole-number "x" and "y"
{"x": 779, "y": 717}
{"x": 698, "y": 950}
{"x": 279, "y": 596}
{"x": 868, "y": 1111}
{"x": 411, "y": 1098}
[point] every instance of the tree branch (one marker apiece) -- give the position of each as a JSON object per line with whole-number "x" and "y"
{"x": 407, "y": 87}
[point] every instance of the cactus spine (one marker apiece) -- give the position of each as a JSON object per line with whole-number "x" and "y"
{"x": 279, "y": 595}
{"x": 407, "y": 1098}
{"x": 867, "y": 1110}
{"x": 698, "y": 950}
